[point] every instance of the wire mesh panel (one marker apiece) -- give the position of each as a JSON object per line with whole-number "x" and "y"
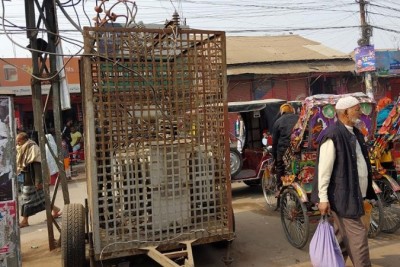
{"x": 155, "y": 104}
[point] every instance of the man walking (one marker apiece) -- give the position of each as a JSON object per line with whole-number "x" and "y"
{"x": 344, "y": 180}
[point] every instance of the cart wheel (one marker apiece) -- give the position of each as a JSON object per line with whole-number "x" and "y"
{"x": 377, "y": 218}
{"x": 236, "y": 161}
{"x": 73, "y": 236}
{"x": 391, "y": 207}
{"x": 268, "y": 184}
{"x": 294, "y": 218}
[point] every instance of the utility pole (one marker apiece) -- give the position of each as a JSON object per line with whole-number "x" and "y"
{"x": 40, "y": 50}
{"x": 366, "y": 33}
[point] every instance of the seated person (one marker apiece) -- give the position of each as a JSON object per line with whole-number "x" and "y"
{"x": 267, "y": 138}
{"x": 76, "y": 138}
{"x": 281, "y": 133}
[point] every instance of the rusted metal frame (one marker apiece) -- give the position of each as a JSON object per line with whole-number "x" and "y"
{"x": 158, "y": 101}
{"x": 176, "y": 99}
{"x": 108, "y": 172}
{"x": 90, "y": 137}
{"x": 216, "y": 63}
{"x": 199, "y": 126}
{"x": 194, "y": 142}
{"x": 114, "y": 109}
{"x": 215, "y": 90}
{"x": 187, "y": 106}
{"x": 214, "y": 76}
{"x": 144, "y": 103}
{"x": 203, "y": 98}
{"x": 125, "y": 176}
{"x": 182, "y": 108}
{"x": 101, "y": 149}
{"x": 226, "y": 121}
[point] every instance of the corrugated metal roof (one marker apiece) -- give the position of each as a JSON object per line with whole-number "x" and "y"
{"x": 293, "y": 68}
{"x": 258, "y": 49}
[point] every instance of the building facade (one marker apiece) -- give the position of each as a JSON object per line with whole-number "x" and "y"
{"x": 16, "y": 76}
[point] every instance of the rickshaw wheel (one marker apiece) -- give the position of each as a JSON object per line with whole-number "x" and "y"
{"x": 73, "y": 236}
{"x": 236, "y": 161}
{"x": 377, "y": 218}
{"x": 268, "y": 184}
{"x": 294, "y": 218}
{"x": 391, "y": 207}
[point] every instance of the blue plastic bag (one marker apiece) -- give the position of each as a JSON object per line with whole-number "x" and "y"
{"x": 324, "y": 248}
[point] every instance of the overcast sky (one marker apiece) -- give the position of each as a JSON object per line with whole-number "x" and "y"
{"x": 334, "y": 23}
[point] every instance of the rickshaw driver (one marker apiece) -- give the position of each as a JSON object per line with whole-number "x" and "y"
{"x": 344, "y": 180}
{"x": 281, "y": 132}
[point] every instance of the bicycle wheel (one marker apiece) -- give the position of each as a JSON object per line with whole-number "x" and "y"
{"x": 294, "y": 218}
{"x": 377, "y": 217}
{"x": 268, "y": 183}
{"x": 391, "y": 206}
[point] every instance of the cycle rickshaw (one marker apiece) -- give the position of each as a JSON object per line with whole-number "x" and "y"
{"x": 385, "y": 174}
{"x": 318, "y": 112}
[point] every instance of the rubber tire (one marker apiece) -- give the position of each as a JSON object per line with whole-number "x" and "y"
{"x": 236, "y": 161}
{"x": 286, "y": 214}
{"x": 389, "y": 198}
{"x": 377, "y": 218}
{"x": 252, "y": 182}
{"x": 73, "y": 236}
{"x": 269, "y": 186}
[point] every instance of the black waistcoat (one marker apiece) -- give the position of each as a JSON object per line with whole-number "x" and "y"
{"x": 344, "y": 192}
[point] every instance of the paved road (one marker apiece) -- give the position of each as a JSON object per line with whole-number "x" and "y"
{"x": 260, "y": 239}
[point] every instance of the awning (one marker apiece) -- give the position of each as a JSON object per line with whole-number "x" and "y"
{"x": 247, "y": 106}
{"x": 292, "y": 68}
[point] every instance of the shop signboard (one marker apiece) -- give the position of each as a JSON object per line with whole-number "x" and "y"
{"x": 387, "y": 62}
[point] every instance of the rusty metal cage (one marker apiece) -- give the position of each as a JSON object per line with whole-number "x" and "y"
{"x": 155, "y": 115}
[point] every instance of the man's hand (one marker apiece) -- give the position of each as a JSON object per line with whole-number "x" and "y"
{"x": 324, "y": 208}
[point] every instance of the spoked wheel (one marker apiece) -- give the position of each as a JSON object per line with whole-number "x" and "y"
{"x": 73, "y": 236}
{"x": 377, "y": 218}
{"x": 391, "y": 207}
{"x": 269, "y": 186}
{"x": 294, "y": 218}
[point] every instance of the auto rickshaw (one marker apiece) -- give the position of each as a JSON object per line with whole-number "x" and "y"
{"x": 248, "y": 154}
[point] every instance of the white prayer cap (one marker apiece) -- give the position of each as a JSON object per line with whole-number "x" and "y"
{"x": 347, "y": 102}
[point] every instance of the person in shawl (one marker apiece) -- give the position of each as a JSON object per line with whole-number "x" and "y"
{"x": 30, "y": 175}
